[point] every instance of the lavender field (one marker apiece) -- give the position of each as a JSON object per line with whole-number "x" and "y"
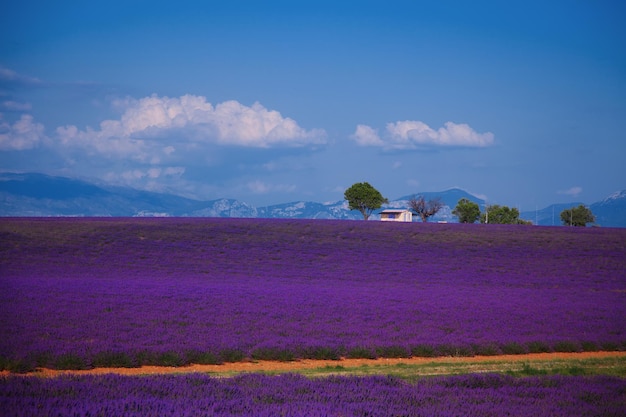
{"x": 487, "y": 395}
{"x": 81, "y": 293}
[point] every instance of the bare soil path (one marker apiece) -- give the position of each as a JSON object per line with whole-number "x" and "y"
{"x": 445, "y": 364}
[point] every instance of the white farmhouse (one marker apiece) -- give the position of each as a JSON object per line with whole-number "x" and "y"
{"x": 396, "y": 215}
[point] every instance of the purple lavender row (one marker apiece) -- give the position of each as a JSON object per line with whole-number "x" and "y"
{"x": 124, "y": 292}
{"x": 292, "y": 395}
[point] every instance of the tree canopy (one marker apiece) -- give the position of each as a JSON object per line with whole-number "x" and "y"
{"x": 364, "y": 198}
{"x": 496, "y": 214}
{"x": 467, "y": 211}
{"x": 423, "y": 208}
{"x": 577, "y": 216}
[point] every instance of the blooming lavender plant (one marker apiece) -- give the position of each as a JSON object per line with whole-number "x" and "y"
{"x": 293, "y": 395}
{"x": 79, "y": 293}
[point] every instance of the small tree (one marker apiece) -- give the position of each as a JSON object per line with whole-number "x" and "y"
{"x": 500, "y": 215}
{"x": 423, "y": 208}
{"x": 467, "y": 211}
{"x": 577, "y": 216}
{"x": 365, "y": 198}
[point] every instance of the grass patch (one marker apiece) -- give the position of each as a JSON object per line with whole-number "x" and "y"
{"x": 613, "y": 366}
{"x": 527, "y": 370}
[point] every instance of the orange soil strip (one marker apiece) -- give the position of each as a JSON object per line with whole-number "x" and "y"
{"x": 261, "y": 366}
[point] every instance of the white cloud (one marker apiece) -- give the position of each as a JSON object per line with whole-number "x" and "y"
{"x": 411, "y": 134}
{"x": 367, "y": 136}
{"x": 15, "y": 106}
{"x": 103, "y": 142}
{"x": 22, "y": 135}
{"x": 413, "y": 183}
{"x": 138, "y": 176}
{"x": 260, "y": 187}
{"x": 8, "y": 75}
{"x": 573, "y": 191}
{"x": 189, "y": 119}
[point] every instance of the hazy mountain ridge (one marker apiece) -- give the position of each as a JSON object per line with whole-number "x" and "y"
{"x": 33, "y": 194}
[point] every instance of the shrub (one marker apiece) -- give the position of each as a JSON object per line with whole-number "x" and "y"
{"x": 169, "y": 358}
{"x": 589, "y": 346}
{"x": 423, "y": 351}
{"x": 70, "y": 361}
{"x": 232, "y": 355}
{"x": 273, "y": 354}
{"x": 486, "y": 350}
{"x": 393, "y": 352}
{"x": 321, "y": 353}
{"x": 145, "y": 357}
{"x": 201, "y": 358}
{"x": 513, "y": 348}
{"x": 18, "y": 366}
{"x": 566, "y": 346}
{"x": 454, "y": 350}
{"x": 111, "y": 359}
{"x": 538, "y": 347}
{"x": 361, "y": 353}
{"x": 611, "y": 346}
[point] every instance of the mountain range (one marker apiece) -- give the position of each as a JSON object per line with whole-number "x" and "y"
{"x": 34, "y": 194}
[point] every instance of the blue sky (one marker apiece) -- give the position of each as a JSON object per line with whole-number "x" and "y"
{"x": 521, "y": 103}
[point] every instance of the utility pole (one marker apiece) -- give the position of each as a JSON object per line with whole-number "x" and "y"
{"x": 486, "y": 213}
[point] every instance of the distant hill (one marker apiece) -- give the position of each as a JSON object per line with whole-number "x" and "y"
{"x": 450, "y": 197}
{"x": 43, "y": 195}
{"x": 34, "y": 194}
{"x": 610, "y": 212}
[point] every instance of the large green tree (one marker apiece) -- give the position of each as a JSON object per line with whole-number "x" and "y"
{"x": 467, "y": 211}
{"x": 496, "y": 214}
{"x": 364, "y": 198}
{"x": 577, "y": 216}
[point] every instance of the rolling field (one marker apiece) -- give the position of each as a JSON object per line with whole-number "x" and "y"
{"x": 85, "y": 293}
{"x": 80, "y": 293}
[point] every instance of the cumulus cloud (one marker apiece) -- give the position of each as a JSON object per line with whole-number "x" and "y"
{"x": 573, "y": 191}
{"x": 23, "y": 134}
{"x": 191, "y": 120}
{"x": 411, "y": 134}
{"x": 367, "y": 136}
